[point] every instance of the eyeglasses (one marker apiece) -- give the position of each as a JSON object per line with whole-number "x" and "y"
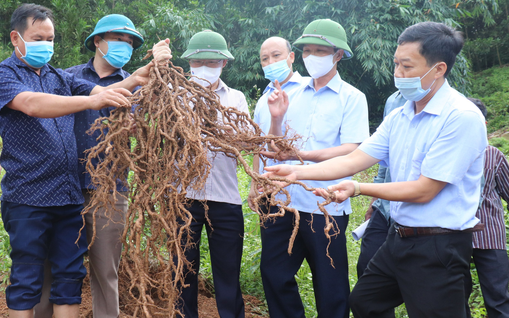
{"x": 208, "y": 63}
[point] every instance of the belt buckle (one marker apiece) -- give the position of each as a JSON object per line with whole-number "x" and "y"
{"x": 396, "y": 228}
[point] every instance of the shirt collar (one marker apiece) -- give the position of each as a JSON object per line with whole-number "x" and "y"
{"x": 334, "y": 84}
{"x": 296, "y": 78}
{"x": 434, "y": 106}
{"x": 90, "y": 66}
{"x": 220, "y": 86}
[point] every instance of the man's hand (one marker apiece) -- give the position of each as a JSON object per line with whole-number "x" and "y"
{"x": 116, "y": 97}
{"x": 278, "y": 102}
{"x": 162, "y": 52}
{"x": 280, "y": 171}
{"x": 340, "y": 191}
{"x": 276, "y": 154}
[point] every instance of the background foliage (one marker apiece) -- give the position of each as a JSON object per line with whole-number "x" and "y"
{"x": 372, "y": 29}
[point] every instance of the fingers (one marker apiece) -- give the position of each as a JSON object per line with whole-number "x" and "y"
{"x": 277, "y": 86}
{"x": 268, "y": 154}
{"x": 116, "y": 97}
{"x": 123, "y": 91}
{"x": 162, "y": 51}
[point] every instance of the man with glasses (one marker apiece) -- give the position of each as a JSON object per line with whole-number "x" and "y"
{"x": 332, "y": 117}
{"x": 113, "y": 41}
{"x": 208, "y": 54}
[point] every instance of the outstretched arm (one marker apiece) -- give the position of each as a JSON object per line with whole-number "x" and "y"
{"x": 44, "y": 105}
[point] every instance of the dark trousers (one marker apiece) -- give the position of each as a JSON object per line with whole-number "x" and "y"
{"x": 374, "y": 237}
{"x": 37, "y": 234}
{"x": 426, "y": 272}
{"x": 493, "y": 271}
{"x": 225, "y": 244}
{"x": 278, "y": 269}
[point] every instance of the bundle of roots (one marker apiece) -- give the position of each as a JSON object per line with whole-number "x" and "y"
{"x": 160, "y": 152}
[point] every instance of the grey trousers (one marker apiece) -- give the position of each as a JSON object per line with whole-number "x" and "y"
{"x": 104, "y": 259}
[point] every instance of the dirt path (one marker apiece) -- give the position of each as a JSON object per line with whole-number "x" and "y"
{"x": 206, "y": 304}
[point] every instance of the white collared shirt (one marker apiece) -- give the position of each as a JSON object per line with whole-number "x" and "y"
{"x": 221, "y": 184}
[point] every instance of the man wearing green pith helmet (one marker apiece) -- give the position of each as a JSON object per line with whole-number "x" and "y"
{"x": 208, "y": 54}
{"x": 332, "y": 118}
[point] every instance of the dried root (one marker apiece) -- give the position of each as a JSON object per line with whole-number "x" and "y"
{"x": 177, "y": 122}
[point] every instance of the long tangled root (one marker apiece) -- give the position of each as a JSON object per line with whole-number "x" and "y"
{"x": 177, "y": 122}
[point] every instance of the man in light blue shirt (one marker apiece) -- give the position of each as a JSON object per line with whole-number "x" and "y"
{"x": 378, "y": 212}
{"x": 276, "y": 58}
{"x": 434, "y": 146}
{"x": 331, "y": 116}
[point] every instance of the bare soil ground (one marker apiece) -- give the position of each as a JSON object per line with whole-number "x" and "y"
{"x": 206, "y": 303}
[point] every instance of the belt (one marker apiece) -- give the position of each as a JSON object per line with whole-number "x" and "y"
{"x": 405, "y": 231}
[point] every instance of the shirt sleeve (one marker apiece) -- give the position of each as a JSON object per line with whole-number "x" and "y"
{"x": 460, "y": 142}
{"x": 242, "y": 104}
{"x": 377, "y": 146}
{"x": 502, "y": 176}
{"x": 355, "y": 123}
{"x": 78, "y": 86}
{"x": 11, "y": 86}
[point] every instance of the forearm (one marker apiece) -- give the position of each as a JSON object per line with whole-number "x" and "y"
{"x": 44, "y": 105}
{"x": 328, "y": 153}
{"x": 336, "y": 168}
{"x": 276, "y": 127}
{"x": 418, "y": 191}
{"x": 129, "y": 83}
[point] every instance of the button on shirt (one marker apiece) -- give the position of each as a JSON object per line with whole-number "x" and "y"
{"x": 335, "y": 114}
{"x": 221, "y": 184}
{"x": 384, "y": 175}
{"x": 444, "y": 142}
{"x": 262, "y": 115}
{"x": 39, "y": 154}
{"x": 84, "y": 119}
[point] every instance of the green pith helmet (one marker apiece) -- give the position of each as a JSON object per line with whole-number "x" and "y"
{"x": 114, "y": 23}
{"x": 325, "y": 32}
{"x": 207, "y": 45}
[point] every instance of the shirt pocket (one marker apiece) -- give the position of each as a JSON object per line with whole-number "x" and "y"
{"x": 415, "y": 170}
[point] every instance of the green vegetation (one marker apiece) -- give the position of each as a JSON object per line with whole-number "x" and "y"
{"x": 492, "y": 87}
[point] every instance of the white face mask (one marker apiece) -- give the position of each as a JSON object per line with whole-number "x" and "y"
{"x": 318, "y": 66}
{"x": 210, "y": 74}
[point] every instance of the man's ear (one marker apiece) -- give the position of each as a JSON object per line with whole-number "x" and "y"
{"x": 97, "y": 39}
{"x": 225, "y": 62}
{"x": 441, "y": 69}
{"x": 15, "y": 39}
{"x": 338, "y": 56}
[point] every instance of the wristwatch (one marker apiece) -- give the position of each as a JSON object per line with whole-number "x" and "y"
{"x": 357, "y": 188}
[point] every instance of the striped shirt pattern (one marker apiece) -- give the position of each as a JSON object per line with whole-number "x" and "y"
{"x": 491, "y": 212}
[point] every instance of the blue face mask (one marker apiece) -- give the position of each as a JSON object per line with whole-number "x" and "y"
{"x": 119, "y": 53}
{"x": 37, "y": 53}
{"x": 277, "y": 71}
{"x": 411, "y": 88}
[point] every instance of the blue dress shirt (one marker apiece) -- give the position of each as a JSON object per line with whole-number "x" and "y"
{"x": 335, "y": 114}
{"x": 262, "y": 113}
{"x": 39, "y": 154}
{"x": 84, "y": 119}
{"x": 384, "y": 175}
{"x": 444, "y": 142}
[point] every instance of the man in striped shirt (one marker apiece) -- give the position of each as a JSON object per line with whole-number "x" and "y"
{"x": 489, "y": 245}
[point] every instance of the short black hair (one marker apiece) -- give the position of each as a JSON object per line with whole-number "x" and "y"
{"x": 480, "y": 105}
{"x": 29, "y": 10}
{"x": 439, "y": 42}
